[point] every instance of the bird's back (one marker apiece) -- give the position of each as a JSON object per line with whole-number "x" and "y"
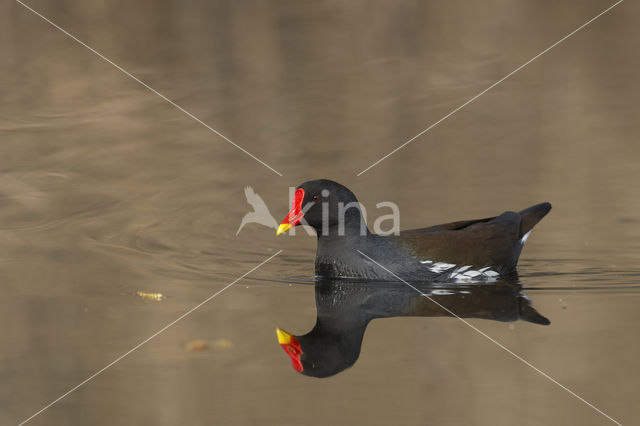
{"x": 495, "y": 241}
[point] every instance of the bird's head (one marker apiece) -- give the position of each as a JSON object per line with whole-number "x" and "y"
{"x": 323, "y": 204}
{"x": 318, "y": 353}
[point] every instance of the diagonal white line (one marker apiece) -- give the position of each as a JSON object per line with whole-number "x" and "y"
{"x": 518, "y": 357}
{"x": 151, "y": 89}
{"x": 88, "y": 379}
{"x": 491, "y": 87}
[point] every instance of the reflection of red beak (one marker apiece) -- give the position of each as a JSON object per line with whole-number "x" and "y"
{"x": 294, "y": 216}
{"x": 292, "y": 348}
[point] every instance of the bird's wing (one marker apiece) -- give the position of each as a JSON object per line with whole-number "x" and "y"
{"x": 479, "y": 242}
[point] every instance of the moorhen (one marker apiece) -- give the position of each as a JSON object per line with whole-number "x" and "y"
{"x": 463, "y": 251}
{"x": 345, "y": 308}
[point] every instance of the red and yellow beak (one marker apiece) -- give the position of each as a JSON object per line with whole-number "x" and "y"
{"x": 291, "y": 346}
{"x": 295, "y": 215}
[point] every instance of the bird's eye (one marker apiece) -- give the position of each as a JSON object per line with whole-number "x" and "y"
{"x": 315, "y": 198}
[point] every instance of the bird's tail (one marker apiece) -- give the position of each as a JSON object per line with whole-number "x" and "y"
{"x": 531, "y": 216}
{"x": 528, "y": 313}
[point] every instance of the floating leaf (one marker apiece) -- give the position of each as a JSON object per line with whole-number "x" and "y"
{"x": 197, "y": 346}
{"x": 151, "y": 296}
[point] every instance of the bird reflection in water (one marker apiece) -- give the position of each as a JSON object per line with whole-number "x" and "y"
{"x": 345, "y": 308}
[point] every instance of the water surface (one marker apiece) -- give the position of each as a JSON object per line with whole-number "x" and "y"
{"x": 106, "y": 189}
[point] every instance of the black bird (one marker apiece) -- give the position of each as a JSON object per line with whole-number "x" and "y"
{"x": 345, "y": 308}
{"x": 469, "y": 250}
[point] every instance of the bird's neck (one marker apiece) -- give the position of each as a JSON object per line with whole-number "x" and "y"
{"x": 351, "y": 226}
{"x": 338, "y": 255}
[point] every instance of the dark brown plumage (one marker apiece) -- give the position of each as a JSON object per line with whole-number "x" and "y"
{"x": 495, "y": 241}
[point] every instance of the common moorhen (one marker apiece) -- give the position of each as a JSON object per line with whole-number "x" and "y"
{"x": 345, "y": 308}
{"x": 469, "y": 250}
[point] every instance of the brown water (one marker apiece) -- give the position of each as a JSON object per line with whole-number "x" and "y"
{"x": 106, "y": 189}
